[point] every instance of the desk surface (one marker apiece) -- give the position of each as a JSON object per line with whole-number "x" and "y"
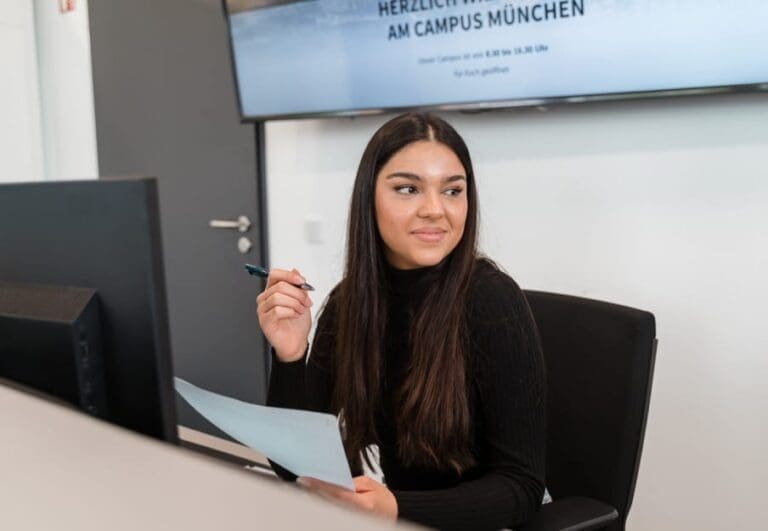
{"x": 220, "y": 448}
{"x": 64, "y": 470}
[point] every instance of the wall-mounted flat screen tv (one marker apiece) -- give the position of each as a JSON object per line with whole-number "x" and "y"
{"x": 299, "y": 58}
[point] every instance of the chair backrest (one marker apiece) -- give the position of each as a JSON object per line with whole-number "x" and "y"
{"x": 599, "y": 359}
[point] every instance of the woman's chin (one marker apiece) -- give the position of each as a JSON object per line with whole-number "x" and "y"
{"x": 426, "y": 260}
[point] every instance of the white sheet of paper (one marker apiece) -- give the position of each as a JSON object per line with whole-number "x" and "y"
{"x": 305, "y": 442}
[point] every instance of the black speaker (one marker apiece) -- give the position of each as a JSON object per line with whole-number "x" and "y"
{"x": 50, "y": 340}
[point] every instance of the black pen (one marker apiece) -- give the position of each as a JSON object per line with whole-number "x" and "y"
{"x": 263, "y": 273}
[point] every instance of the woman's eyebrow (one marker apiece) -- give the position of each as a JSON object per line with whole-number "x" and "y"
{"x": 404, "y": 175}
{"x": 414, "y": 177}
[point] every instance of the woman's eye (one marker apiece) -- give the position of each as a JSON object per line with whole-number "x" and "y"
{"x": 406, "y": 189}
{"x": 452, "y": 192}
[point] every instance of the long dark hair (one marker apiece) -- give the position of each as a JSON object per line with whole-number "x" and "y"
{"x": 433, "y": 406}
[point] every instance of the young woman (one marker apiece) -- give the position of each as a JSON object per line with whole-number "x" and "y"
{"x": 424, "y": 347}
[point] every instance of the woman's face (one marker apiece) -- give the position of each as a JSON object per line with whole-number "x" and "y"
{"x": 421, "y": 204}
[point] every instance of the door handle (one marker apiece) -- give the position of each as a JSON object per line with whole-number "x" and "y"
{"x": 242, "y": 224}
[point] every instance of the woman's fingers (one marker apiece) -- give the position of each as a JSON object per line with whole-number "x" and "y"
{"x": 283, "y": 295}
{"x": 328, "y": 490}
{"x": 364, "y": 483}
{"x": 286, "y": 289}
{"x": 282, "y": 275}
{"x": 283, "y": 313}
{"x": 280, "y": 300}
{"x": 370, "y": 495}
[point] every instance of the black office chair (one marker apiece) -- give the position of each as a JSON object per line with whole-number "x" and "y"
{"x": 599, "y": 359}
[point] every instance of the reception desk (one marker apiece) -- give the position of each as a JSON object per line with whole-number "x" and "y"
{"x": 64, "y": 470}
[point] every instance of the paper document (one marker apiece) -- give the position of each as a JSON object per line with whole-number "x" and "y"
{"x": 305, "y": 442}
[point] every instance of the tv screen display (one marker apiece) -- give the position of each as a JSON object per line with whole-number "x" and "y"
{"x": 297, "y": 58}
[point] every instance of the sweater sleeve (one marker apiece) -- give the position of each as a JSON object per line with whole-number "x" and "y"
{"x": 509, "y": 378}
{"x": 305, "y": 383}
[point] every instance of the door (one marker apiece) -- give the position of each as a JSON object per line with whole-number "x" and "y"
{"x": 166, "y": 107}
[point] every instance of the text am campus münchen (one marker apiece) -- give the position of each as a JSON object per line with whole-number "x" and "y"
{"x": 398, "y": 7}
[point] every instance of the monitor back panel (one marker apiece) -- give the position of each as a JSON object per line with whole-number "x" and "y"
{"x": 103, "y": 235}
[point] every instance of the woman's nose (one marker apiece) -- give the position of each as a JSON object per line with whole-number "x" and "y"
{"x": 431, "y": 205}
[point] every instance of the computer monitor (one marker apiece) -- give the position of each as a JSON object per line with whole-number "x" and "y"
{"x": 62, "y": 246}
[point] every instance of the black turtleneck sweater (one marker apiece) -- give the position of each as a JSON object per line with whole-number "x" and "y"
{"x": 506, "y": 404}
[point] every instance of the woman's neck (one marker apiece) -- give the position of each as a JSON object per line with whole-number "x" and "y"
{"x": 410, "y": 282}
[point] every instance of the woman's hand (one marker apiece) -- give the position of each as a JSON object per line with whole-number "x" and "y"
{"x": 369, "y": 496}
{"x": 284, "y": 314}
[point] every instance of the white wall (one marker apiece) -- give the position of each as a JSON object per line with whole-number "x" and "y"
{"x": 21, "y": 155}
{"x": 662, "y": 205}
{"x": 66, "y": 90}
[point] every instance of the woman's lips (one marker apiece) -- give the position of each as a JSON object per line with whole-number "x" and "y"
{"x": 429, "y": 235}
